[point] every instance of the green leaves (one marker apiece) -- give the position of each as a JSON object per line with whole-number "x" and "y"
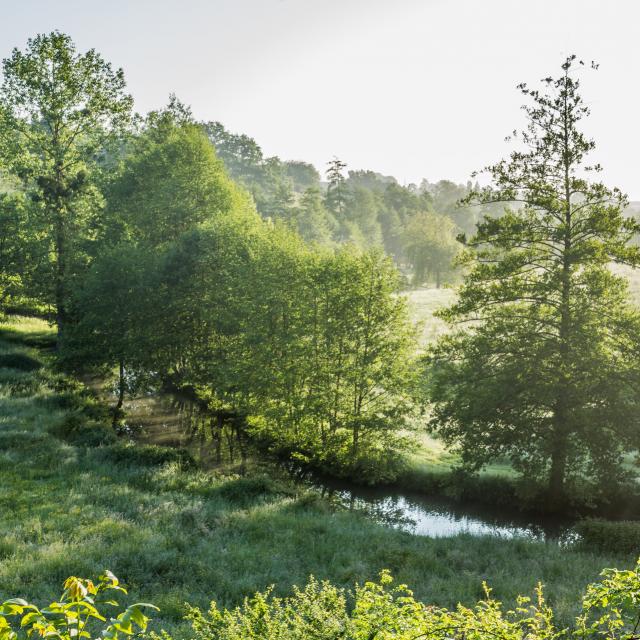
{"x": 540, "y": 367}
{"x": 59, "y": 110}
{"x": 386, "y": 611}
{"x": 76, "y": 615}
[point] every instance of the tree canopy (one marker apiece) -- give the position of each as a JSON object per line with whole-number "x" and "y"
{"x": 546, "y": 371}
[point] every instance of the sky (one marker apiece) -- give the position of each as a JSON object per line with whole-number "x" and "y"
{"x": 410, "y": 88}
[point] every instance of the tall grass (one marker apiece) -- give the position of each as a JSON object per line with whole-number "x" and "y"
{"x": 177, "y": 534}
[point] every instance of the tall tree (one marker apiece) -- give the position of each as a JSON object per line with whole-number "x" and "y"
{"x": 170, "y": 182}
{"x": 337, "y": 190}
{"x": 57, "y": 110}
{"x": 548, "y": 371}
{"x": 313, "y": 222}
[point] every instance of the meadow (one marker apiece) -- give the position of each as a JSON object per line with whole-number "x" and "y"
{"x": 176, "y": 534}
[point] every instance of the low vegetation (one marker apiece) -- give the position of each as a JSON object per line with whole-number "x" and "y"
{"x": 321, "y": 611}
{"x": 177, "y": 534}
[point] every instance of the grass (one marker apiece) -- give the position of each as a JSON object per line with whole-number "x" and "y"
{"x": 177, "y": 534}
{"x": 424, "y": 302}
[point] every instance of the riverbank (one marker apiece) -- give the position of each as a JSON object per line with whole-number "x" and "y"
{"x": 76, "y": 501}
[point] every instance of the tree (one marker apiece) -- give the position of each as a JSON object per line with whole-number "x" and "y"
{"x": 303, "y": 175}
{"x": 337, "y": 191}
{"x": 364, "y": 206}
{"x": 115, "y": 304}
{"x": 431, "y": 246}
{"x": 313, "y": 222}
{"x": 58, "y": 108}
{"x": 171, "y": 181}
{"x": 547, "y": 373}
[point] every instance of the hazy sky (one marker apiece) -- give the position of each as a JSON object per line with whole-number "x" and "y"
{"x": 412, "y": 88}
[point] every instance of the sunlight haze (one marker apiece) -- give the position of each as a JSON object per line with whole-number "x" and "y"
{"x": 415, "y": 89}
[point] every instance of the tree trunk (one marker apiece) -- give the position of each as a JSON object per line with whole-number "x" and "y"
{"x": 218, "y": 438}
{"x": 558, "y": 470}
{"x": 60, "y": 285}
{"x": 559, "y": 453}
{"x": 355, "y": 442}
{"x": 117, "y": 411}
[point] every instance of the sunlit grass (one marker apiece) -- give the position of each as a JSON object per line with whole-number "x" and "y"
{"x": 424, "y": 302}
{"x": 29, "y": 331}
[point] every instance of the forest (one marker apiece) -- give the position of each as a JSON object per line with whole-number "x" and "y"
{"x": 157, "y": 268}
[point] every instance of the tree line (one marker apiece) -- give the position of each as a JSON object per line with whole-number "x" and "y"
{"x": 274, "y": 299}
{"x": 158, "y": 264}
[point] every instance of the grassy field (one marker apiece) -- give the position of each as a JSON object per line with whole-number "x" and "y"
{"x": 176, "y": 534}
{"x": 432, "y": 456}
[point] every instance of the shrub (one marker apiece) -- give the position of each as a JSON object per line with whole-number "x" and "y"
{"x": 77, "y": 614}
{"x": 610, "y": 536}
{"x": 381, "y": 611}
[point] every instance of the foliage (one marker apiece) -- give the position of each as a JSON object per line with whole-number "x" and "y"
{"x": 431, "y": 246}
{"x": 311, "y": 348}
{"x": 78, "y": 613}
{"x": 546, "y": 371}
{"x": 606, "y": 535}
{"x": 58, "y": 110}
{"x": 337, "y": 195}
{"x": 320, "y": 611}
{"x": 170, "y": 181}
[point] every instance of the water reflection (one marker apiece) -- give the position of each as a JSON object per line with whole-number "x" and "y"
{"x": 436, "y": 517}
{"x": 212, "y": 439}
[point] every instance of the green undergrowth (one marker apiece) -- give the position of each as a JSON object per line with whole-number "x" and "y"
{"x": 76, "y": 501}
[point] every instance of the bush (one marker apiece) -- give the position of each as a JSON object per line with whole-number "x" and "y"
{"x": 610, "y": 536}
{"x": 380, "y": 611}
{"x": 79, "y": 613}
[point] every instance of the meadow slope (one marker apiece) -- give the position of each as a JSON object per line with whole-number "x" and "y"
{"x": 175, "y": 534}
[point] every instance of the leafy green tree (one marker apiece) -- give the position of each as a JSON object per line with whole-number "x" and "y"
{"x": 431, "y": 246}
{"x": 268, "y": 180}
{"x": 303, "y": 175}
{"x": 241, "y": 154}
{"x": 364, "y": 207}
{"x": 58, "y": 109}
{"x": 20, "y": 250}
{"x": 138, "y": 306}
{"x": 115, "y": 305}
{"x": 399, "y": 206}
{"x": 313, "y": 222}
{"x": 170, "y": 182}
{"x": 547, "y": 373}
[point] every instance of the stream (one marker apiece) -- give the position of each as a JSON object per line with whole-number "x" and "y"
{"x": 159, "y": 421}
{"x": 434, "y": 516}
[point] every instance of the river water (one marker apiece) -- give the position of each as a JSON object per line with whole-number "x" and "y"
{"x": 433, "y": 516}
{"x": 438, "y": 517}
